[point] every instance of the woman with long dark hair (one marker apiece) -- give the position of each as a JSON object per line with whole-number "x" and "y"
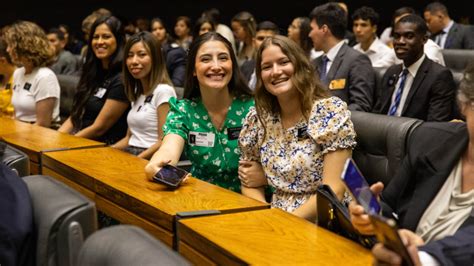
{"x": 100, "y": 105}
{"x": 207, "y": 122}
{"x": 149, "y": 89}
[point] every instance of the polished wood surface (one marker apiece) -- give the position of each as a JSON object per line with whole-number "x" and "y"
{"x": 33, "y": 139}
{"x": 193, "y": 256}
{"x": 8, "y": 126}
{"x": 120, "y": 178}
{"x": 267, "y": 237}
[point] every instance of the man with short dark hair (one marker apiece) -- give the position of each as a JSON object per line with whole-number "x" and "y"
{"x": 348, "y": 73}
{"x": 364, "y": 25}
{"x": 444, "y": 31}
{"x": 418, "y": 88}
{"x": 65, "y": 62}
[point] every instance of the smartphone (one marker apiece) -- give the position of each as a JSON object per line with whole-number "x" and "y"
{"x": 170, "y": 176}
{"x": 358, "y": 186}
{"x": 386, "y": 231}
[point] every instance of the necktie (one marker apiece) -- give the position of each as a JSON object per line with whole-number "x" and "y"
{"x": 323, "y": 69}
{"x": 398, "y": 94}
{"x": 439, "y": 36}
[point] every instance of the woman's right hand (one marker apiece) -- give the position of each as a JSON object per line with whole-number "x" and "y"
{"x": 359, "y": 218}
{"x": 251, "y": 174}
{"x": 154, "y": 166}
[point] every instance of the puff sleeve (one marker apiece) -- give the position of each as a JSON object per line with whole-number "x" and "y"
{"x": 250, "y": 137}
{"x": 330, "y": 125}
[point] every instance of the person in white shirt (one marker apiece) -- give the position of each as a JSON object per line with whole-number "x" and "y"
{"x": 149, "y": 88}
{"x": 36, "y": 89}
{"x": 432, "y": 50}
{"x": 365, "y": 21}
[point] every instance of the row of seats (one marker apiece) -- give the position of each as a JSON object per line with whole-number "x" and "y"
{"x": 66, "y": 224}
{"x": 66, "y": 227}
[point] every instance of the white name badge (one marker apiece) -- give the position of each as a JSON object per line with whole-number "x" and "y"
{"x": 201, "y": 139}
{"x": 100, "y": 92}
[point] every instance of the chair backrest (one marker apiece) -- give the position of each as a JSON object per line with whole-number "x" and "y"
{"x": 68, "y": 84}
{"x": 63, "y": 219}
{"x": 381, "y": 144}
{"x": 16, "y": 159}
{"x": 457, "y": 59}
{"x": 126, "y": 245}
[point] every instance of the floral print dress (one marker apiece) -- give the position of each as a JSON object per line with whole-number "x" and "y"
{"x": 293, "y": 158}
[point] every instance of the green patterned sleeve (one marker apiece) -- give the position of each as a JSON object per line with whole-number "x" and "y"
{"x": 177, "y": 119}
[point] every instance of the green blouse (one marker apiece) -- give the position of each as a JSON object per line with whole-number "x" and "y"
{"x": 214, "y": 154}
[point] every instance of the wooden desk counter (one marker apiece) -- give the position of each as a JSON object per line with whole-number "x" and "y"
{"x": 122, "y": 189}
{"x": 265, "y": 237}
{"x": 33, "y": 140}
{"x": 8, "y": 126}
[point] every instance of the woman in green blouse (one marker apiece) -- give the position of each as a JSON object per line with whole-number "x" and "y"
{"x": 207, "y": 122}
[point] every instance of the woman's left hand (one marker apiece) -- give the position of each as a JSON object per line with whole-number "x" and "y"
{"x": 251, "y": 174}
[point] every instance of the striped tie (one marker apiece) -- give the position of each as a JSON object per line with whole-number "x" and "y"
{"x": 398, "y": 95}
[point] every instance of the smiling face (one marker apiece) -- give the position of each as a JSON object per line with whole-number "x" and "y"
{"x": 408, "y": 43}
{"x": 139, "y": 61}
{"x": 213, "y": 66}
{"x": 104, "y": 44}
{"x": 276, "y": 71}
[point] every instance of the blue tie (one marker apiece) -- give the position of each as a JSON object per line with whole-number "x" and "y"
{"x": 398, "y": 95}
{"x": 323, "y": 70}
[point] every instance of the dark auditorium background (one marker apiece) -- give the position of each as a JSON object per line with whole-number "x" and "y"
{"x": 50, "y": 13}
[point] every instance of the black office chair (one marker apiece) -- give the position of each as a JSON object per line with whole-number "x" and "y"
{"x": 63, "y": 219}
{"x": 15, "y": 159}
{"x": 68, "y": 84}
{"x": 124, "y": 245}
{"x": 381, "y": 144}
{"x": 457, "y": 60}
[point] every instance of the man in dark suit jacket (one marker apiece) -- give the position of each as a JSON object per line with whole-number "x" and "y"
{"x": 348, "y": 73}
{"x": 428, "y": 89}
{"x": 433, "y": 152}
{"x": 444, "y": 31}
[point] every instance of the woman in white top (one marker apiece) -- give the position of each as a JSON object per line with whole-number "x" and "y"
{"x": 148, "y": 87}
{"x": 36, "y": 89}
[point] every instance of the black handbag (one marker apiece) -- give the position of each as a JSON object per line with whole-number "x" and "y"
{"x": 334, "y": 216}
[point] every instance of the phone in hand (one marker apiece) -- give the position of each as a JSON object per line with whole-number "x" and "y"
{"x": 386, "y": 232}
{"x": 170, "y": 175}
{"x": 359, "y": 187}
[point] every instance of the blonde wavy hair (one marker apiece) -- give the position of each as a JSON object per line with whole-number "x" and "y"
{"x": 27, "y": 40}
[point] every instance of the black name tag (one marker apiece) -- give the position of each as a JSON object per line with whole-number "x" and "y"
{"x": 27, "y": 86}
{"x": 233, "y": 133}
{"x": 148, "y": 98}
{"x": 302, "y": 132}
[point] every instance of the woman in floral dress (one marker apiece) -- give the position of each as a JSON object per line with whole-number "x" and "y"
{"x": 298, "y": 133}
